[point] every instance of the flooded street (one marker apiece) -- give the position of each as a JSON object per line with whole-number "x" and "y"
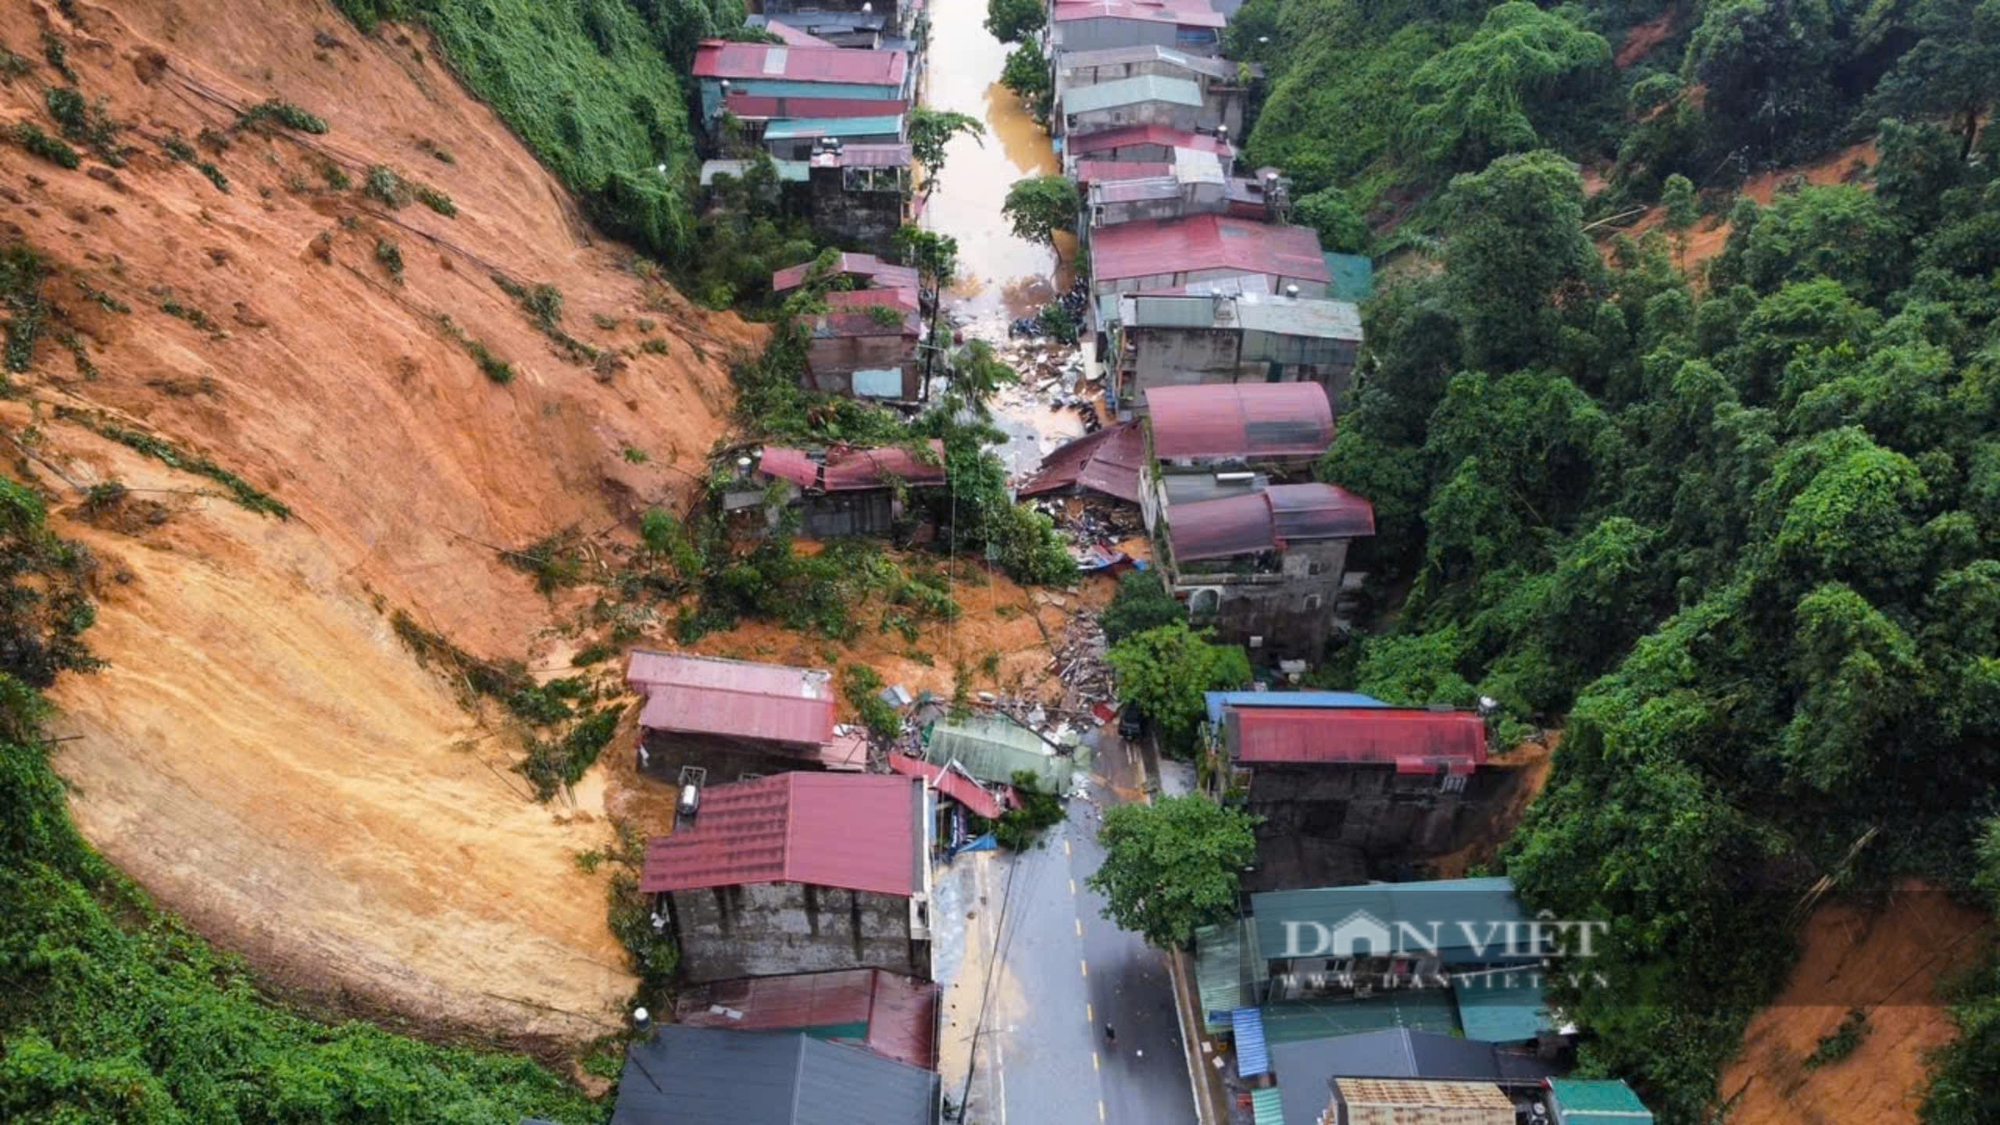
{"x": 999, "y": 276}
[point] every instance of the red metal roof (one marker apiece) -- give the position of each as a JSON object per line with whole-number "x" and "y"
{"x": 851, "y": 324}
{"x": 844, "y": 469}
{"x": 1147, "y": 135}
{"x": 1113, "y": 171}
{"x": 735, "y": 698}
{"x": 755, "y": 107}
{"x": 716, "y": 58}
{"x": 1415, "y": 740}
{"x": 868, "y": 267}
{"x": 898, "y": 1012}
{"x": 1155, "y": 247}
{"x": 903, "y": 300}
{"x": 853, "y": 831}
{"x": 951, "y": 783}
{"x": 1239, "y": 420}
{"x": 1266, "y": 521}
{"x": 793, "y": 37}
{"x": 1108, "y": 461}
{"x": 1193, "y": 13}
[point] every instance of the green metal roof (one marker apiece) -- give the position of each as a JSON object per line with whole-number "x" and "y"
{"x": 799, "y": 128}
{"x": 1265, "y": 1107}
{"x": 1226, "y": 970}
{"x": 1132, "y": 91}
{"x": 1419, "y": 1009}
{"x": 993, "y": 749}
{"x": 1503, "y": 1007}
{"x": 1455, "y": 911}
{"x": 1597, "y": 1101}
{"x": 1353, "y": 277}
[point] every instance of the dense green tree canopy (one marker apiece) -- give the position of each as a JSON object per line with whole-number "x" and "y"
{"x": 1041, "y": 207}
{"x": 1172, "y": 866}
{"x": 1166, "y": 670}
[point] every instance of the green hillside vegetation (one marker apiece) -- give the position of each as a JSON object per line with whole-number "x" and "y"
{"x": 114, "y": 1012}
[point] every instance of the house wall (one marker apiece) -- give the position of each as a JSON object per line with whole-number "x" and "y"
{"x": 1105, "y": 33}
{"x": 1222, "y": 101}
{"x": 725, "y": 759}
{"x": 1173, "y": 115}
{"x": 1167, "y": 357}
{"x": 1290, "y": 618}
{"x": 832, "y": 362}
{"x": 1307, "y": 286}
{"x": 1328, "y": 824}
{"x": 832, "y": 514}
{"x": 887, "y": 8}
{"x": 770, "y": 929}
{"x": 711, "y": 91}
{"x": 861, "y": 212}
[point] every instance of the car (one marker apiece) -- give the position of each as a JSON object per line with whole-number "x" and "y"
{"x": 1131, "y": 723}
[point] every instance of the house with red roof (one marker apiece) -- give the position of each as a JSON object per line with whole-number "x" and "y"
{"x": 837, "y": 490}
{"x": 1349, "y": 792}
{"x": 1160, "y": 254}
{"x": 735, "y": 718}
{"x": 799, "y": 872}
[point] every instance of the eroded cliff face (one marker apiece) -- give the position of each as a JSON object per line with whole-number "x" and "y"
{"x": 261, "y": 752}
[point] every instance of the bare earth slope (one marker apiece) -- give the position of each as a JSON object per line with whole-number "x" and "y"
{"x": 262, "y": 753}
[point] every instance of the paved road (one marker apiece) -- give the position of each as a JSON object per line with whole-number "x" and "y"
{"x": 1066, "y": 973}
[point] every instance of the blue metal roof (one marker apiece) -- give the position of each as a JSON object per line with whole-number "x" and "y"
{"x": 794, "y": 128}
{"x": 1252, "y": 1056}
{"x": 1500, "y": 1007}
{"x": 1217, "y": 700}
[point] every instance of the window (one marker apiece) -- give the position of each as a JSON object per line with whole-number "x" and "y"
{"x": 1203, "y": 605}
{"x": 1312, "y": 600}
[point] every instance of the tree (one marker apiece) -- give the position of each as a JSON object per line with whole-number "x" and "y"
{"x": 1764, "y": 66}
{"x": 1341, "y": 228}
{"x": 1678, "y": 198}
{"x": 931, "y": 130}
{"x": 1027, "y": 74}
{"x": 1041, "y": 206}
{"x": 1172, "y": 866}
{"x": 1141, "y": 604}
{"x": 1013, "y": 21}
{"x": 1165, "y": 671}
{"x": 1516, "y": 252}
{"x": 978, "y": 374}
{"x": 1484, "y": 96}
{"x": 1953, "y": 70}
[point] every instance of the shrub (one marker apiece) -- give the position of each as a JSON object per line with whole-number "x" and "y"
{"x": 861, "y": 685}
{"x": 384, "y": 186}
{"x": 273, "y": 112}
{"x": 1017, "y": 828}
{"x": 30, "y": 137}
{"x": 436, "y": 201}
{"x": 390, "y": 256}
{"x": 85, "y": 123}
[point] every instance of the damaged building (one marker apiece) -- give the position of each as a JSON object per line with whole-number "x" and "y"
{"x": 802, "y": 872}
{"x": 835, "y": 491}
{"x": 736, "y": 718}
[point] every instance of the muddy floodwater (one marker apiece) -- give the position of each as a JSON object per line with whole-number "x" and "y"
{"x": 999, "y": 276}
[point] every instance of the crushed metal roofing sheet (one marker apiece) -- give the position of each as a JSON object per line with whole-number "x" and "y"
{"x": 1193, "y": 13}
{"x": 1071, "y": 61}
{"x": 1412, "y": 739}
{"x": 951, "y": 783}
{"x": 737, "y": 698}
{"x": 886, "y": 275}
{"x": 1240, "y": 419}
{"x": 1482, "y": 903}
{"x": 854, "y": 831}
{"x": 716, "y": 58}
{"x": 1113, "y": 171}
{"x": 1162, "y": 247}
{"x": 758, "y": 107}
{"x": 1132, "y": 91}
{"x": 1108, "y": 461}
{"x": 893, "y": 1016}
{"x": 845, "y": 469}
{"x": 994, "y": 748}
{"x": 707, "y": 1076}
{"x": 1165, "y": 136}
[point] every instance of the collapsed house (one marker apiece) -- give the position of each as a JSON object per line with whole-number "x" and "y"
{"x": 836, "y": 491}
{"x": 798, "y": 872}
{"x": 736, "y": 718}
{"x": 864, "y": 353}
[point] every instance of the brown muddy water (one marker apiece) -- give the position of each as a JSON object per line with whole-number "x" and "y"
{"x": 999, "y": 276}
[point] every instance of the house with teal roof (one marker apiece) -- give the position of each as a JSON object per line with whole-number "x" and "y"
{"x": 1596, "y": 1101}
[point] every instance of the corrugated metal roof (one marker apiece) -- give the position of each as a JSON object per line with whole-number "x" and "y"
{"x": 1166, "y": 136}
{"x": 1111, "y": 171}
{"x": 1318, "y": 511}
{"x": 951, "y": 783}
{"x": 1218, "y": 700}
{"x": 1194, "y": 13}
{"x": 803, "y": 128}
{"x": 1220, "y": 529}
{"x": 759, "y": 107}
{"x": 1229, "y": 286}
{"x": 707, "y": 1076}
{"x": 1298, "y": 1021}
{"x": 1307, "y": 317}
{"x": 855, "y": 831}
{"x": 1445, "y": 903}
{"x": 1204, "y": 242}
{"x": 993, "y": 749}
{"x": 1299, "y": 316}
{"x": 827, "y": 21}
{"x": 1252, "y": 1056}
{"x": 868, "y": 267}
{"x": 864, "y": 156}
{"x": 845, "y": 469}
{"x": 1267, "y": 1106}
{"x": 716, "y": 58}
{"x": 793, "y": 37}
{"x": 1400, "y": 1101}
{"x": 893, "y": 1016}
{"x": 1414, "y": 740}
{"x": 1197, "y": 166}
{"x": 1500, "y": 1007}
{"x": 1071, "y": 61}
{"x": 1192, "y": 488}
{"x": 710, "y": 695}
{"x": 1240, "y": 420}
{"x": 1108, "y": 461}
{"x": 789, "y": 171}
{"x": 1225, "y": 970}
{"x": 1132, "y": 91}
{"x": 851, "y": 325}
{"x": 1597, "y": 1101}
{"x": 1134, "y": 191}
